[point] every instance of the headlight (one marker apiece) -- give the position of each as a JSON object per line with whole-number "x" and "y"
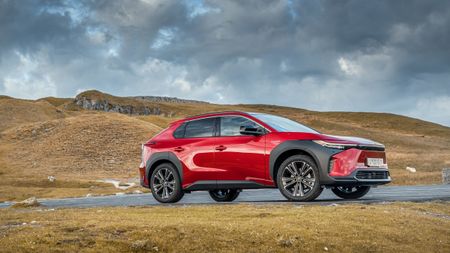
{"x": 335, "y": 145}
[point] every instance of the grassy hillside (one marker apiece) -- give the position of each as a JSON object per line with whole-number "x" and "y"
{"x": 14, "y": 112}
{"x": 57, "y": 137}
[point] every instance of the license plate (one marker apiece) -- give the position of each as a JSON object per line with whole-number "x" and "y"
{"x": 375, "y": 162}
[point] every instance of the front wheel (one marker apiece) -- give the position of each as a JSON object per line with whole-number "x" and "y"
{"x": 350, "y": 192}
{"x": 165, "y": 184}
{"x": 298, "y": 178}
{"x": 226, "y": 195}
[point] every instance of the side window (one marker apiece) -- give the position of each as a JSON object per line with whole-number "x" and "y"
{"x": 179, "y": 132}
{"x": 231, "y": 126}
{"x": 200, "y": 128}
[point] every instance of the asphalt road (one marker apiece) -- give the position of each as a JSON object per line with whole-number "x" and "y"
{"x": 263, "y": 196}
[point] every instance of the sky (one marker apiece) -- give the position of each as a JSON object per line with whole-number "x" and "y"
{"x": 348, "y": 55}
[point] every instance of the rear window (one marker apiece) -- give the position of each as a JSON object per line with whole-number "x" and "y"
{"x": 200, "y": 128}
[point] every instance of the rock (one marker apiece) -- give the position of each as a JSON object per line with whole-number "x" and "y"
{"x": 144, "y": 245}
{"x": 51, "y": 178}
{"x": 285, "y": 242}
{"x": 168, "y": 99}
{"x": 446, "y": 176}
{"x": 411, "y": 169}
{"x": 107, "y": 106}
{"x": 137, "y": 192}
{"x": 120, "y": 193}
{"x": 325, "y": 248}
{"x": 117, "y": 184}
{"x": 88, "y": 195}
{"x": 30, "y": 202}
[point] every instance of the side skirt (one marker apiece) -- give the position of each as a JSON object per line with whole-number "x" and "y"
{"x": 224, "y": 184}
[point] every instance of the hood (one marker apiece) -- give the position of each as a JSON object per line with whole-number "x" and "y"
{"x": 361, "y": 142}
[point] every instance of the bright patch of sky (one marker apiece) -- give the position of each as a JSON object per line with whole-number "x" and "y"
{"x": 197, "y": 8}
{"x": 291, "y": 9}
{"x": 74, "y": 9}
{"x": 164, "y": 37}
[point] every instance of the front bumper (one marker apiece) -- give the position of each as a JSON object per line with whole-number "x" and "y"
{"x": 363, "y": 176}
{"x": 350, "y": 167}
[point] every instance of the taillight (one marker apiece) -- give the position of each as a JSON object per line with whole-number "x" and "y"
{"x": 142, "y": 152}
{"x": 145, "y": 148}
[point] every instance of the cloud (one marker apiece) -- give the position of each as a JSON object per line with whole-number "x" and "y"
{"x": 390, "y": 56}
{"x": 348, "y": 67}
{"x": 32, "y": 81}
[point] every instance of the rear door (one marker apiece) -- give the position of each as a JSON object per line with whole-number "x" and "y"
{"x": 237, "y": 156}
{"x": 195, "y": 149}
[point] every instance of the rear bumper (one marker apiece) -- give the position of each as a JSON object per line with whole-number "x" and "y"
{"x": 142, "y": 177}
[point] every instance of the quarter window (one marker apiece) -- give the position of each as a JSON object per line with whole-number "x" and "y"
{"x": 179, "y": 132}
{"x": 200, "y": 128}
{"x": 231, "y": 126}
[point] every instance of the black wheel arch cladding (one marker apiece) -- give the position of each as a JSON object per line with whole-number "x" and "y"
{"x": 321, "y": 155}
{"x": 162, "y": 157}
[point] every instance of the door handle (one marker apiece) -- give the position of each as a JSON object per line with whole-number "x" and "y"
{"x": 178, "y": 149}
{"x": 221, "y": 148}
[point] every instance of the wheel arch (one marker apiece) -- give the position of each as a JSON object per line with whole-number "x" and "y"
{"x": 163, "y": 157}
{"x": 298, "y": 147}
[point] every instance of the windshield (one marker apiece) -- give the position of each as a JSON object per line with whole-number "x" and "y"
{"x": 282, "y": 124}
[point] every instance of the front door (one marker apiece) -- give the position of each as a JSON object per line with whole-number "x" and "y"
{"x": 237, "y": 156}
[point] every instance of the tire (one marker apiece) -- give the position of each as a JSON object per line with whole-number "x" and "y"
{"x": 165, "y": 184}
{"x": 350, "y": 192}
{"x": 226, "y": 195}
{"x": 299, "y": 183}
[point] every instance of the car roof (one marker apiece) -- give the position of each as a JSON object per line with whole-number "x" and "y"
{"x": 213, "y": 114}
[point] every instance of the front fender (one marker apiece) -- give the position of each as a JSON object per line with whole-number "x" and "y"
{"x": 321, "y": 156}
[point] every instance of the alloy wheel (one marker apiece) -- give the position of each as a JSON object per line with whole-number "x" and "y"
{"x": 164, "y": 183}
{"x": 298, "y": 178}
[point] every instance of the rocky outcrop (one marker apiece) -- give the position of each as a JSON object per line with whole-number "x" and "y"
{"x": 138, "y": 105}
{"x": 168, "y": 100}
{"x": 105, "y": 105}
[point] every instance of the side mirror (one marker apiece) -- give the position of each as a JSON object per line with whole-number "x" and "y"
{"x": 247, "y": 130}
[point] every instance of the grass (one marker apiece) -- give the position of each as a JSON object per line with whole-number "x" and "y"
{"x": 17, "y": 190}
{"x": 400, "y": 227}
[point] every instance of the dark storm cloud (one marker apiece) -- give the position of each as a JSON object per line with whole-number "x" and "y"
{"x": 389, "y": 56}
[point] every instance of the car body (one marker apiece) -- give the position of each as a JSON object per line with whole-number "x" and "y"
{"x": 236, "y": 150}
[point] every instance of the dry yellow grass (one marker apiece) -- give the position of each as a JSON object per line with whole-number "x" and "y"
{"x": 403, "y": 227}
{"x": 76, "y": 150}
{"x": 87, "y": 146}
{"x": 18, "y": 111}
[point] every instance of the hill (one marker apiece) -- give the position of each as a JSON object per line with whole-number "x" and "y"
{"x": 14, "y": 112}
{"x": 97, "y": 135}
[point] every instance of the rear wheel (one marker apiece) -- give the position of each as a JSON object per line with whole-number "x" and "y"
{"x": 224, "y": 195}
{"x": 165, "y": 184}
{"x": 350, "y": 192}
{"x": 298, "y": 178}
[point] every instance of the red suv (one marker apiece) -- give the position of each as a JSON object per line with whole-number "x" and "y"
{"x": 229, "y": 151}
